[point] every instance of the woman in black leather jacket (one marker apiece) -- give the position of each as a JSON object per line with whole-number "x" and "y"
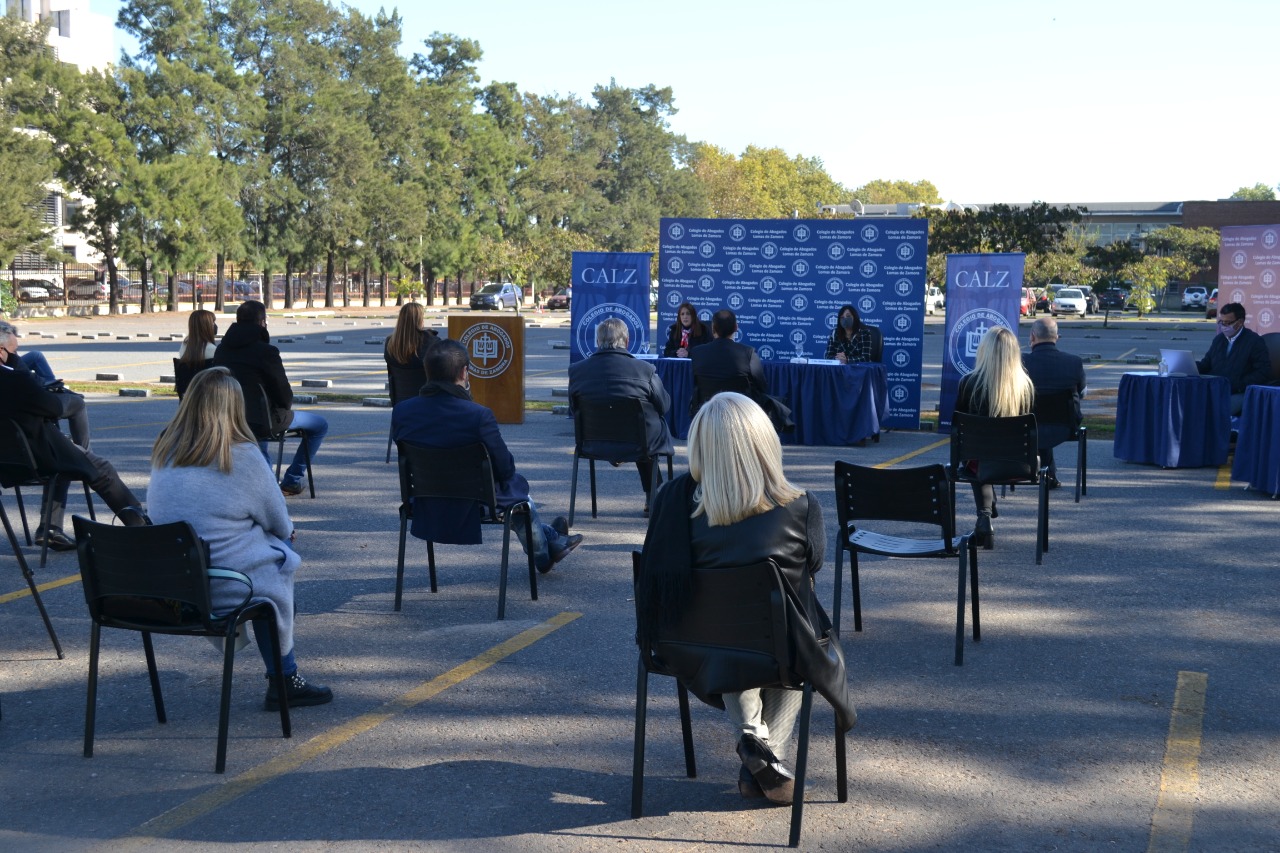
{"x": 736, "y": 508}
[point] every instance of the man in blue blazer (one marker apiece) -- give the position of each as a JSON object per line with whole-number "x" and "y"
{"x": 443, "y": 415}
{"x": 1052, "y": 370}
{"x": 1237, "y": 353}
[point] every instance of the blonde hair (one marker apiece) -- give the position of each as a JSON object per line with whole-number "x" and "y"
{"x": 735, "y": 457}
{"x": 210, "y": 420}
{"x": 407, "y": 337}
{"x": 202, "y": 328}
{"x": 999, "y": 379}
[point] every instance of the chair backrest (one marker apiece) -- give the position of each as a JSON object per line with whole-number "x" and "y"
{"x": 144, "y": 578}
{"x": 405, "y": 382}
{"x": 454, "y": 473}
{"x": 183, "y": 373}
{"x": 920, "y": 495}
{"x": 17, "y": 463}
{"x": 1272, "y": 340}
{"x": 1006, "y": 449}
{"x": 609, "y": 429}
{"x": 706, "y": 387}
{"x": 1056, "y": 417}
{"x": 877, "y": 343}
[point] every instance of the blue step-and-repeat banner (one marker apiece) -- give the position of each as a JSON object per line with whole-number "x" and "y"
{"x": 786, "y": 279}
{"x": 609, "y": 284}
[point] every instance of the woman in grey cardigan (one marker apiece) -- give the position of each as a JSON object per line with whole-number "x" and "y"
{"x": 207, "y": 470}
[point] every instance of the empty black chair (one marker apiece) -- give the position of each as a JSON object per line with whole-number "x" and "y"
{"x": 1056, "y": 424}
{"x": 462, "y": 474}
{"x": 919, "y": 496}
{"x": 1272, "y": 340}
{"x": 183, "y": 373}
{"x": 736, "y": 625}
{"x": 611, "y": 431}
{"x": 30, "y": 579}
{"x": 155, "y": 580}
{"x": 1005, "y": 452}
{"x": 18, "y": 469}
{"x": 877, "y": 343}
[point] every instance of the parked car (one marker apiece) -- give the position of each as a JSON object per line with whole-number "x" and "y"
{"x": 32, "y": 291}
{"x": 87, "y": 289}
{"x": 1091, "y": 303}
{"x": 934, "y": 300}
{"x": 1211, "y": 306}
{"x": 1027, "y": 305}
{"x": 1116, "y": 299}
{"x": 495, "y": 297}
{"x": 561, "y": 299}
{"x": 1195, "y": 296}
{"x": 1068, "y": 300}
{"x": 653, "y": 299}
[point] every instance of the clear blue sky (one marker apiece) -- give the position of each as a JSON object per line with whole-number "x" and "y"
{"x": 1078, "y": 101}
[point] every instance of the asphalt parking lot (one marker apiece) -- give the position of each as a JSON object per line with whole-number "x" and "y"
{"x": 1123, "y": 695}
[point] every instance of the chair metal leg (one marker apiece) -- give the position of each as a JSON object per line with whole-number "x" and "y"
{"x": 91, "y": 702}
{"x": 670, "y": 476}
{"x": 502, "y": 574}
{"x": 88, "y": 500}
{"x": 306, "y": 457}
{"x": 22, "y": 511}
{"x": 963, "y": 575}
{"x": 533, "y": 568}
{"x": 46, "y": 514}
{"x": 591, "y": 466}
{"x": 842, "y": 765}
{"x": 637, "y": 753}
{"x": 836, "y": 591}
{"x": 153, "y": 675}
{"x": 286, "y": 725}
{"x": 224, "y": 707}
{"x": 573, "y": 489}
{"x": 404, "y": 529}
{"x": 855, "y": 589}
{"x": 802, "y": 765}
{"x": 686, "y": 732}
{"x": 973, "y": 597}
{"x": 31, "y": 582}
{"x": 279, "y": 455}
{"x": 431, "y": 564}
{"x": 390, "y": 434}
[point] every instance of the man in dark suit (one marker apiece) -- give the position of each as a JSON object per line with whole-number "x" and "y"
{"x": 1237, "y": 353}
{"x": 36, "y": 410}
{"x": 613, "y": 373}
{"x": 247, "y": 351}
{"x": 443, "y": 415}
{"x": 725, "y": 361}
{"x": 1052, "y": 370}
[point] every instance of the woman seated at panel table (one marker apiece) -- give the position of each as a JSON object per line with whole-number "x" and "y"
{"x": 685, "y": 333}
{"x": 852, "y": 340}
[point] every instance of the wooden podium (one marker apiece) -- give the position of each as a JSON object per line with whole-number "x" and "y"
{"x": 495, "y": 345}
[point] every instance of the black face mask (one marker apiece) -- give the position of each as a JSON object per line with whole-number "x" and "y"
{"x": 846, "y": 323}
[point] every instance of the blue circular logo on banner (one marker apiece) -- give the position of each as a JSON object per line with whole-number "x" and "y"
{"x": 967, "y": 334}
{"x": 903, "y": 287}
{"x": 676, "y": 231}
{"x": 737, "y": 266}
{"x": 898, "y": 393}
{"x": 706, "y": 283}
{"x": 835, "y": 286}
{"x": 767, "y": 319}
{"x": 902, "y": 322}
{"x": 800, "y": 233}
{"x": 768, "y": 284}
{"x": 868, "y": 269}
{"x": 673, "y": 298}
{"x": 765, "y": 352}
{"x": 706, "y": 248}
{"x": 901, "y": 358}
{"x": 737, "y": 233}
{"x": 906, "y": 251}
{"x": 736, "y": 301}
{"x": 835, "y": 251}
{"x": 1268, "y": 239}
{"x": 866, "y": 304}
{"x": 1268, "y": 278}
{"x": 1239, "y": 259}
{"x": 637, "y": 329}
{"x": 769, "y": 251}
{"x": 800, "y": 268}
{"x": 831, "y": 321}
{"x": 675, "y": 265}
{"x": 870, "y": 233}
{"x": 799, "y": 303}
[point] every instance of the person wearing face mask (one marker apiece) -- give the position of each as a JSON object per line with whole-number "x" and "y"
{"x": 1237, "y": 353}
{"x": 686, "y": 333}
{"x": 851, "y": 340}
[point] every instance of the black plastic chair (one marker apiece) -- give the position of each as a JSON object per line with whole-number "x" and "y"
{"x": 877, "y": 343}
{"x": 183, "y": 373}
{"x": 460, "y": 474}
{"x": 261, "y": 423}
{"x": 919, "y": 496}
{"x": 30, "y": 579}
{"x": 1272, "y": 340}
{"x": 1006, "y": 452}
{"x": 399, "y": 382}
{"x": 18, "y": 469}
{"x": 705, "y": 387}
{"x": 741, "y": 613}
{"x": 1055, "y": 423}
{"x": 611, "y": 431}
{"x": 155, "y": 580}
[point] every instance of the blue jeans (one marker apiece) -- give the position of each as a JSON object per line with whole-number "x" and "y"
{"x": 262, "y": 636}
{"x": 547, "y": 541}
{"x": 39, "y": 365}
{"x": 314, "y": 428}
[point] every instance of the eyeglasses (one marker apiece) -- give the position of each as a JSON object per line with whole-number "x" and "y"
{"x": 1227, "y": 324}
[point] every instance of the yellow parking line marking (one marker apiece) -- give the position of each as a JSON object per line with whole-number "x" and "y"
{"x": 1110, "y": 362}
{"x": 43, "y": 587}
{"x": 1223, "y": 481}
{"x": 913, "y": 453}
{"x": 268, "y": 771}
{"x": 1180, "y": 779}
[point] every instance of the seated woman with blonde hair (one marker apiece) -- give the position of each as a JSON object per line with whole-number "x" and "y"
{"x": 736, "y": 508}
{"x": 207, "y": 470}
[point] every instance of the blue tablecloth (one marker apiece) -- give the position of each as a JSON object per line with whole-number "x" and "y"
{"x": 1258, "y": 445}
{"x": 832, "y": 404}
{"x": 1173, "y": 421}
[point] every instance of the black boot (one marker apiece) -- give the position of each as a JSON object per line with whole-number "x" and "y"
{"x": 300, "y": 693}
{"x": 776, "y": 780}
{"x": 983, "y": 531}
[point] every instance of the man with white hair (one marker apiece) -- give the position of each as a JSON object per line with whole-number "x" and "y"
{"x": 1051, "y": 371}
{"x": 613, "y": 373}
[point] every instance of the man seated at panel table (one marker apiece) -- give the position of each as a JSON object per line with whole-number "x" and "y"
{"x": 1237, "y": 353}
{"x": 725, "y": 362}
{"x": 1051, "y": 371}
{"x": 613, "y": 373}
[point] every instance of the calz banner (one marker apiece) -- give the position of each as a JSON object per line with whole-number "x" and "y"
{"x": 609, "y": 284}
{"x": 982, "y": 291}
{"x": 1249, "y": 273}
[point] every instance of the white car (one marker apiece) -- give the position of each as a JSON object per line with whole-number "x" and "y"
{"x": 1195, "y": 296}
{"x": 934, "y": 300}
{"x": 1068, "y": 300}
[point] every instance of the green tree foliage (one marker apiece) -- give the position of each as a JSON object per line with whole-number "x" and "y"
{"x": 1192, "y": 250}
{"x": 1257, "y": 192}
{"x": 1000, "y": 228}
{"x": 26, "y": 164}
{"x": 881, "y": 191}
{"x": 763, "y": 184}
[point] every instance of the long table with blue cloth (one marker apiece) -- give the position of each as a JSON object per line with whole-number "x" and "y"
{"x": 1173, "y": 421}
{"x": 1257, "y": 450}
{"x": 832, "y": 404}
